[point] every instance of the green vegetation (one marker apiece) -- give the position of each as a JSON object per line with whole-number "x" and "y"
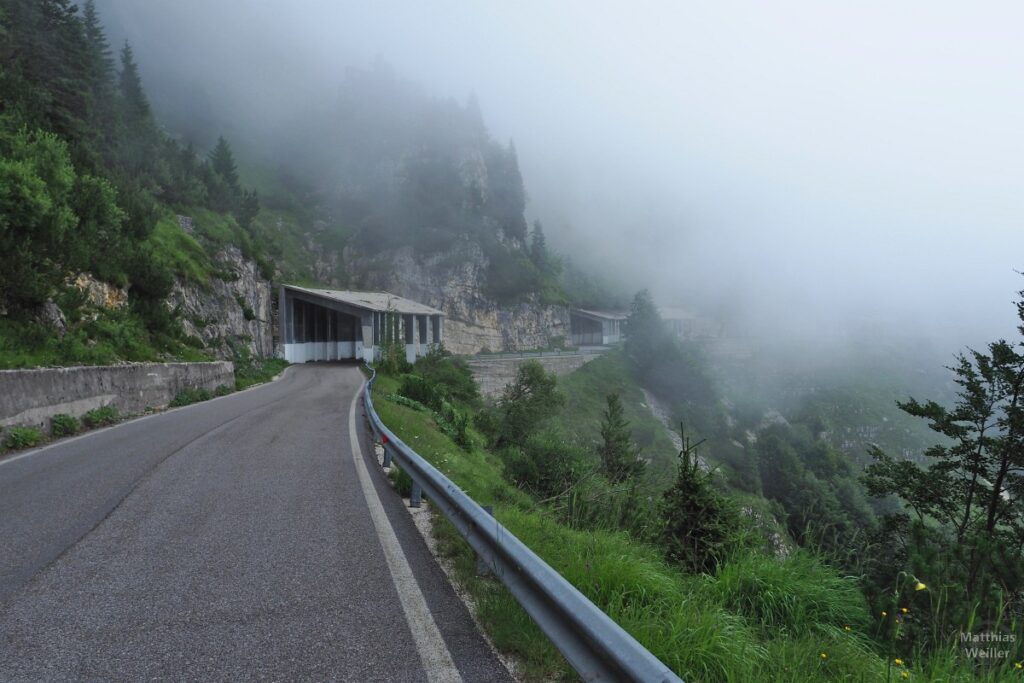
{"x": 64, "y": 425}
{"x": 100, "y": 417}
{"x": 190, "y": 396}
{"x": 251, "y": 371}
{"x": 961, "y": 520}
{"x": 703, "y": 625}
{"x": 22, "y": 437}
{"x": 89, "y": 183}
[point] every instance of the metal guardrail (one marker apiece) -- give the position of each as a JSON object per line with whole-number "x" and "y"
{"x": 592, "y": 643}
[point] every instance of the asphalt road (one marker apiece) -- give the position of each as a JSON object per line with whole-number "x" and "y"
{"x": 228, "y": 540}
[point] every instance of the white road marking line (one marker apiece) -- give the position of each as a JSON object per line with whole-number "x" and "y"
{"x": 437, "y": 660}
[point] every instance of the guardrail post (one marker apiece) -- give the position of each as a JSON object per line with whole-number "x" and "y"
{"x": 387, "y": 456}
{"x": 482, "y": 568}
{"x": 416, "y": 495}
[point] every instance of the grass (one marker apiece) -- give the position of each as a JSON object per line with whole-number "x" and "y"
{"x": 771, "y": 625}
{"x": 586, "y": 391}
{"x": 249, "y": 371}
{"x": 179, "y": 250}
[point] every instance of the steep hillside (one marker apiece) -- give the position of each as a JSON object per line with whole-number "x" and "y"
{"x": 392, "y": 190}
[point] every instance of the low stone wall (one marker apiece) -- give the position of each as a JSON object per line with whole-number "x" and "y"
{"x": 493, "y": 374}
{"x": 31, "y": 397}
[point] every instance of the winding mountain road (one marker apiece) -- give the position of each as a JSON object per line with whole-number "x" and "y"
{"x": 250, "y": 537}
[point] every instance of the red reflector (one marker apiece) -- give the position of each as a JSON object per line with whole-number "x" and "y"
{"x": 383, "y": 438}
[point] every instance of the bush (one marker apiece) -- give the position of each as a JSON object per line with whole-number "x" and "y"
{"x": 22, "y": 437}
{"x": 190, "y": 396}
{"x": 64, "y": 425}
{"x": 548, "y": 465}
{"x": 451, "y": 375}
{"x": 223, "y": 390}
{"x": 422, "y": 391}
{"x": 107, "y": 415}
{"x": 526, "y": 403}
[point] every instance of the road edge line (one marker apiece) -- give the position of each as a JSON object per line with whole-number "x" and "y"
{"x": 437, "y": 659}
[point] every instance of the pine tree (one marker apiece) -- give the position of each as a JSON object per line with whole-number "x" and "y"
{"x": 222, "y": 161}
{"x": 101, "y": 60}
{"x": 698, "y": 520}
{"x": 619, "y": 456}
{"x": 134, "y": 102}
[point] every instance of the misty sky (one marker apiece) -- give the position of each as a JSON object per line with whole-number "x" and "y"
{"x": 804, "y": 162}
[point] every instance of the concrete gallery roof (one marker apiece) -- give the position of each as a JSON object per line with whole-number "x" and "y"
{"x": 371, "y": 301}
{"x": 600, "y": 315}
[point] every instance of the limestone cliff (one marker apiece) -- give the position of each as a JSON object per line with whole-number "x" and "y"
{"x": 234, "y": 310}
{"x": 453, "y": 282}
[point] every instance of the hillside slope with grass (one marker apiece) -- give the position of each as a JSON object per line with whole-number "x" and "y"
{"x": 758, "y": 618}
{"x": 789, "y": 581}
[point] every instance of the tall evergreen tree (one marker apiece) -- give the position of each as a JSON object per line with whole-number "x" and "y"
{"x": 101, "y": 59}
{"x": 619, "y": 455}
{"x": 222, "y": 161}
{"x": 133, "y": 95}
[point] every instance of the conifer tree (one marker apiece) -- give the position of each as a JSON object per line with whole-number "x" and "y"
{"x": 133, "y": 96}
{"x": 222, "y": 161}
{"x": 619, "y": 456}
{"x": 101, "y": 61}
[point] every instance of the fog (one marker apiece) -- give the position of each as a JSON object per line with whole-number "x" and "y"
{"x": 793, "y": 167}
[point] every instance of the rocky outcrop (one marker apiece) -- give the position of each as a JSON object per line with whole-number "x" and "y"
{"x": 99, "y": 294}
{"x": 453, "y": 282}
{"x": 223, "y": 312}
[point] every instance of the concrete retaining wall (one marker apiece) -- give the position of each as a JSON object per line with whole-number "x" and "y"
{"x": 493, "y": 374}
{"x": 32, "y": 397}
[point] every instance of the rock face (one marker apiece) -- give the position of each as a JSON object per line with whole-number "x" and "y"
{"x": 225, "y": 312}
{"x": 99, "y": 294}
{"x": 453, "y": 283}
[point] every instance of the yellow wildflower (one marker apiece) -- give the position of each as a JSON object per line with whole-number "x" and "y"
{"x": 884, "y": 613}
{"x": 920, "y": 586}
{"x": 824, "y": 656}
{"x": 846, "y": 628}
{"x": 1018, "y": 665}
{"x": 898, "y": 661}
{"x": 904, "y": 674}
{"x": 904, "y": 610}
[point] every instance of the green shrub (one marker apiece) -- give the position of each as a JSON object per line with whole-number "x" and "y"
{"x": 190, "y": 396}
{"x": 548, "y": 465}
{"x": 421, "y": 390}
{"x": 107, "y": 415}
{"x": 451, "y": 375}
{"x": 64, "y": 425}
{"x": 22, "y": 437}
{"x": 223, "y": 390}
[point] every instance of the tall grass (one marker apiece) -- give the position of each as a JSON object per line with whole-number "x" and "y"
{"x": 759, "y": 619}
